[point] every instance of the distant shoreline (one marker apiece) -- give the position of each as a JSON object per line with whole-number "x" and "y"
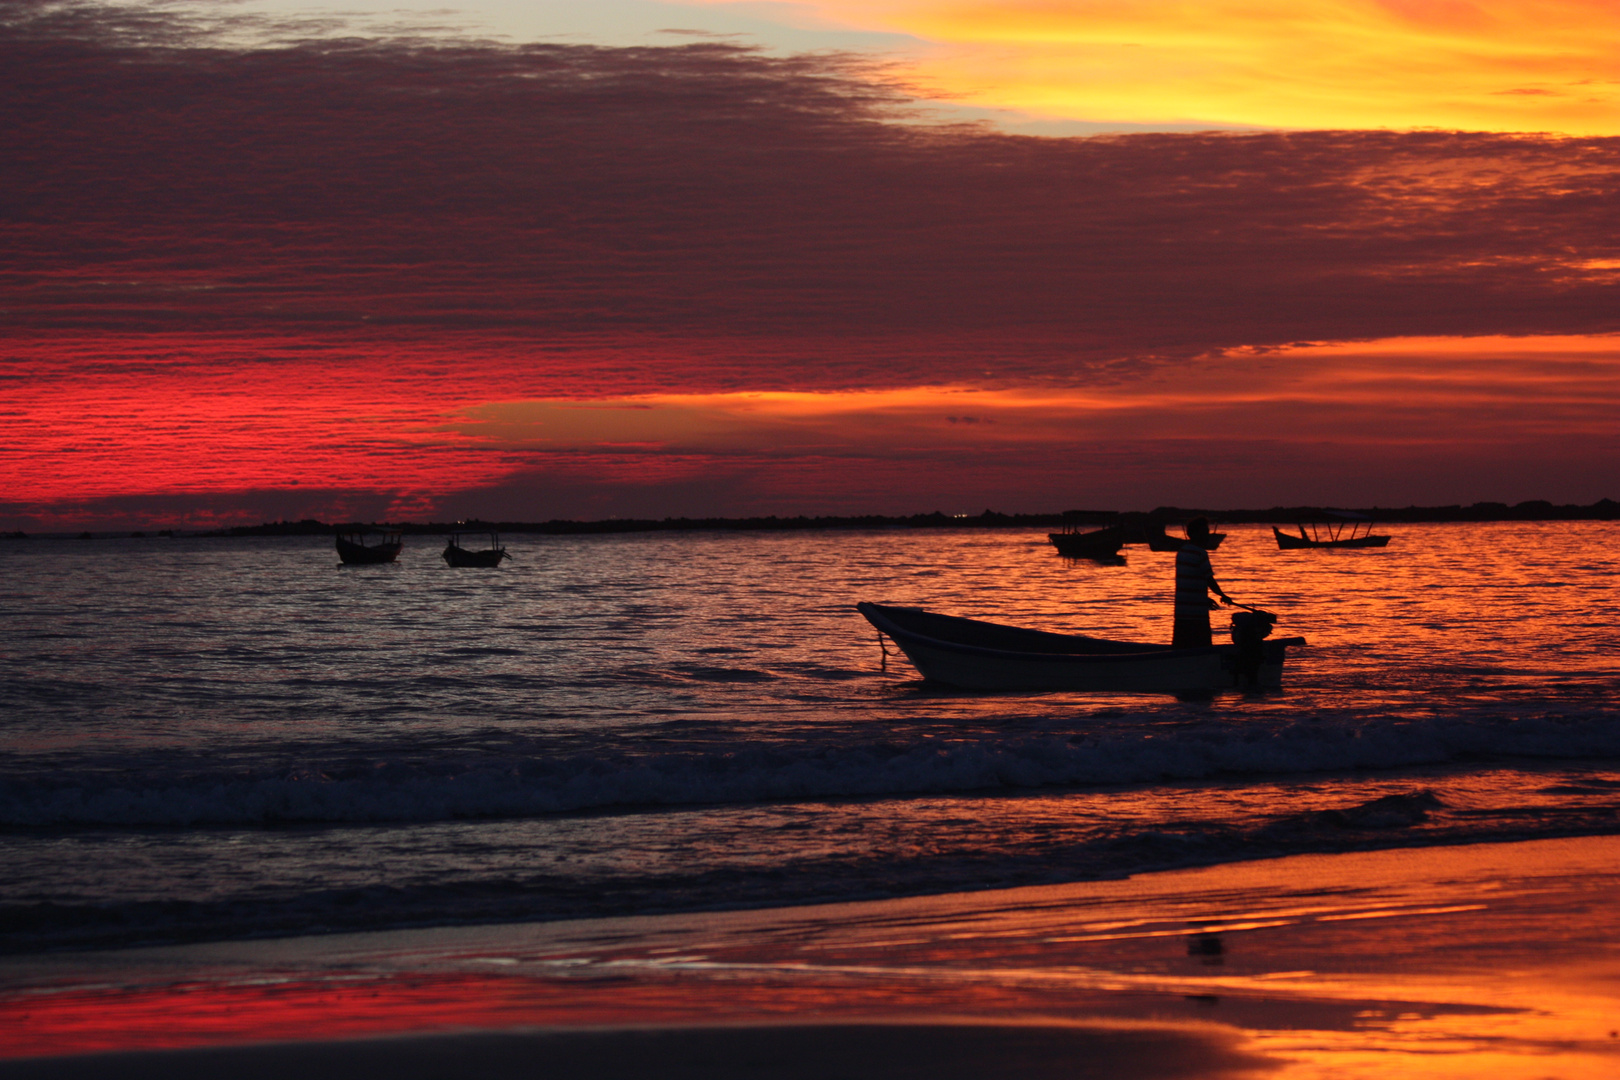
{"x": 1537, "y": 510}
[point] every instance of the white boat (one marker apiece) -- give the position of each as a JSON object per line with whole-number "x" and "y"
{"x": 990, "y": 656}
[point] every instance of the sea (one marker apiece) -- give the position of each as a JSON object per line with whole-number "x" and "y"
{"x": 225, "y": 738}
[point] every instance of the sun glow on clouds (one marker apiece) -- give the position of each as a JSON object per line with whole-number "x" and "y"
{"x": 657, "y": 272}
{"x": 1474, "y": 65}
{"x": 1401, "y": 392}
{"x": 1478, "y": 65}
{"x": 429, "y": 444}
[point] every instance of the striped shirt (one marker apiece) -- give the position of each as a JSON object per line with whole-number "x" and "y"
{"x": 1194, "y": 578}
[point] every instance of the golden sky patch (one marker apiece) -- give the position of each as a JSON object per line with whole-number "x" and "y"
{"x": 1481, "y": 65}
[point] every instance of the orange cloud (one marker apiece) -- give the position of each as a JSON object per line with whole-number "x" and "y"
{"x": 1478, "y": 65}
{"x": 1403, "y": 391}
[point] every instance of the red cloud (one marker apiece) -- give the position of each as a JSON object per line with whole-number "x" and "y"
{"x": 398, "y": 228}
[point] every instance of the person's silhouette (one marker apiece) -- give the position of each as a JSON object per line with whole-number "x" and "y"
{"x": 1195, "y": 580}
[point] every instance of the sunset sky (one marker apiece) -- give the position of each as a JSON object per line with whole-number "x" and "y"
{"x": 552, "y": 260}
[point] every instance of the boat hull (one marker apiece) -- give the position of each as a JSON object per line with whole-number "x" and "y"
{"x": 1099, "y": 544}
{"x": 1105, "y": 542}
{"x": 1162, "y": 543}
{"x": 1290, "y": 542}
{"x": 990, "y": 656}
{"x": 456, "y": 556}
{"x": 363, "y": 555}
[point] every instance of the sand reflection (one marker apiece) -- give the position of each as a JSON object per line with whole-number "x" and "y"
{"x": 1483, "y": 960}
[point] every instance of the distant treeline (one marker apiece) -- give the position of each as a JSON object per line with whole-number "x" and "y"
{"x": 1537, "y": 510}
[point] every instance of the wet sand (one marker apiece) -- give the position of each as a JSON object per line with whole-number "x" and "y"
{"x": 1496, "y": 959}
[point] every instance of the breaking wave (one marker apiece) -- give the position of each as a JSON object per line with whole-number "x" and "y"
{"x": 489, "y": 785}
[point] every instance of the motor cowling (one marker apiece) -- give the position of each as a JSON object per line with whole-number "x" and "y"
{"x": 1249, "y": 632}
{"x": 1253, "y": 626}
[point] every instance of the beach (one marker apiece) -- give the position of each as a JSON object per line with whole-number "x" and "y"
{"x": 1484, "y": 959}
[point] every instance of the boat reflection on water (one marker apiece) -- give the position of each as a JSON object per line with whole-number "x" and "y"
{"x": 1096, "y": 560}
{"x": 1208, "y": 947}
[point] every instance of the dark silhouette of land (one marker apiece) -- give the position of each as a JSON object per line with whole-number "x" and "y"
{"x": 1537, "y": 510}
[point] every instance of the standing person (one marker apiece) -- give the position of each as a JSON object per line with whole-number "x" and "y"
{"x": 1195, "y": 580}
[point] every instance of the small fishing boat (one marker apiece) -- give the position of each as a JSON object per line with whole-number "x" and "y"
{"x": 1157, "y": 539}
{"x": 991, "y": 656}
{"x": 356, "y": 547}
{"x": 1098, "y": 544}
{"x": 1339, "y": 529}
{"x": 1104, "y": 543}
{"x": 456, "y": 555}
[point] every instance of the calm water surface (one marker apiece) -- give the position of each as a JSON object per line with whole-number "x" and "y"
{"x": 229, "y": 737}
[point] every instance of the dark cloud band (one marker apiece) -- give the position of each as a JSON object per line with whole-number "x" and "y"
{"x": 715, "y": 195}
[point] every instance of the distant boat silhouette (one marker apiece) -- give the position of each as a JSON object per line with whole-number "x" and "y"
{"x": 456, "y": 555}
{"x": 354, "y": 551}
{"x": 1158, "y": 540}
{"x": 1331, "y": 533}
{"x": 1097, "y": 544}
{"x": 1104, "y": 543}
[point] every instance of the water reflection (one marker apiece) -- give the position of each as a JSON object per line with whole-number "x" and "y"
{"x": 619, "y": 630}
{"x": 1485, "y": 960}
{"x": 1207, "y": 946}
{"x": 238, "y": 730}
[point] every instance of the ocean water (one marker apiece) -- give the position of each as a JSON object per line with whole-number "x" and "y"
{"x": 211, "y": 738}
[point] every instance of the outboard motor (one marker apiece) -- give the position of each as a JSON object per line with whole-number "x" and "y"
{"x": 1249, "y": 630}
